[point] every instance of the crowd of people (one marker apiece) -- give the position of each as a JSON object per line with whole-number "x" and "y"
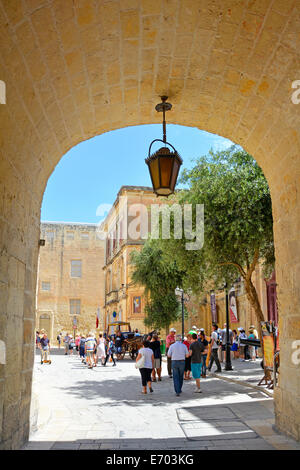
{"x": 190, "y": 356}
{"x": 187, "y": 357}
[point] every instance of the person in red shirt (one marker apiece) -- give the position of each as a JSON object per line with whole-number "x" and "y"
{"x": 187, "y": 368}
{"x": 170, "y": 339}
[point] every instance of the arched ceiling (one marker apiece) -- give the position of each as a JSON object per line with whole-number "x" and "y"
{"x": 77, "y": 68}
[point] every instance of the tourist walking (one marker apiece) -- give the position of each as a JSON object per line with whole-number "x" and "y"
{"x": 110, "y": 352}
{"x": 202, "y": 340}
{"x": 59, "y": 336}
{"x": 224, "y": 340}
{"x": 119, "y": 339}
{"x": 252, "y": 327}
{"x": 148, "y": 365}
{"x": 215, "y": 341}
{"x": 66, "y": 344}
{"x": 77, "y": 342}
{"x": 155, "y": 346}
{"x": 187, "y": 365}
{"x": 71, "y": 345}
{"x": 82, "y": 348}
{"x": 243, "y": 348}
{"x": 101, "y": 349}
{"x": 89, "y": 350}
{"x": 252, "y": 352}
{"x": 37, "y": 339}
{"x": 235, "y": 345}
{"x": 193, "y": 330}
{"x": 45, "y": 348}
{"x": 170, "y": 339}
{"x": 177, "y": 353}
{"x": 195, "y": 352}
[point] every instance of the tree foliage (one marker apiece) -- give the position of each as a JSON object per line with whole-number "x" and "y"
{"x": 160, "y": 276}
{"x": 238, "y": 224}
{"x": 238, "y": 234}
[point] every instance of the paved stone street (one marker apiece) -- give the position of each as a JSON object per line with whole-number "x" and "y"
{"x": 103, "y": 408}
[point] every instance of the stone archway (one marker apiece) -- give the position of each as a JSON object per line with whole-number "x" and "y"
{"x": 74, "y": 69}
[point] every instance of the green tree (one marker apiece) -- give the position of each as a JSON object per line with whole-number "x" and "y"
{"x": 238, "y": 224}
{"x": 159, "y": 274}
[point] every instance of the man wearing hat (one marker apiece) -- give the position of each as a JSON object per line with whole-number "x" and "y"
{"x": 193, "y": 330}
{"x": 170, "y": 339}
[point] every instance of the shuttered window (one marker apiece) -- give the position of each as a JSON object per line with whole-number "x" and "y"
{"x": 75, "y": 306}
{"x": 76, "y": 268}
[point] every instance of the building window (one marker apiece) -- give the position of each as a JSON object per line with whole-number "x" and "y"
{"x": 84, "y": 235}
{"x": 46, "y": 286}
{"x": 70, "y": 235}
{"x": 49, "y": 235}
{"x": 75, "y": 306}
{"x": 76, "y": 268}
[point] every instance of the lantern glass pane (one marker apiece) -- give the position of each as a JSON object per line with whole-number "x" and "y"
{"x": 154, "y": 173}
{"x": 174, "y": 174}
{"x": 166, "y": 165}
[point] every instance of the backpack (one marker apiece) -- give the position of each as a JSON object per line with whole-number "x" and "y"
{"x": 219, "y": 339}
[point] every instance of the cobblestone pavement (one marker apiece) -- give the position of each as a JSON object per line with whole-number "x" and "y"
{"x": 104, "y": 408}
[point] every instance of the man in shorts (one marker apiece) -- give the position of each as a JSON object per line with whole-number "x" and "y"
{"x": 66, "y": 344}
{"x": 195, "y": 351}
{"x": 89, "y": 350}
{"x": 45, "y": 348}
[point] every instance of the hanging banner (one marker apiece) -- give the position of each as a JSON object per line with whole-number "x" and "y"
{"x": 213, "y": 307}
{"x": 232, "y": 306}
{"x": 268, "y": 341}
{"x": 97, "y": 317}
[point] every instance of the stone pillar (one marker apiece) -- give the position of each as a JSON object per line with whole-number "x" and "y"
{"x": 286, "y": 213}
{"x": 19, "y": 245}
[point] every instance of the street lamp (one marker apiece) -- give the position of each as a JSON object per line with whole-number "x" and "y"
{"x": 164, "y": 164}
{"x": 180, "y": 292}
{"x": 228, "y": 365}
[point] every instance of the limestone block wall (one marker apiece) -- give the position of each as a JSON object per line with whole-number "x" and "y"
{"x": 64, "y": 243}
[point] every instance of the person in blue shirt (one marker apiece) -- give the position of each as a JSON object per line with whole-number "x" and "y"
{"x": 178, "y": 352}
{"x": 110, "y": 351}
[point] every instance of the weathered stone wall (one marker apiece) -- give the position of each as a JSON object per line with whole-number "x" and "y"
{"x": 118, "y": 266}
{"x": 76, "y": 69}
{"x": 55, "y": 268}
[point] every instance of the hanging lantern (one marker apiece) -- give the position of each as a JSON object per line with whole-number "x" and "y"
{"x": 164, "y": 164}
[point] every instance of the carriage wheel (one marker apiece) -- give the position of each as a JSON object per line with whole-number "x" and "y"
{"x": 122, "y": 353}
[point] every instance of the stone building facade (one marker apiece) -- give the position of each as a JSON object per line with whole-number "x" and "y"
{"x": 124, "y": 227}
{"x": 70, "y": 285}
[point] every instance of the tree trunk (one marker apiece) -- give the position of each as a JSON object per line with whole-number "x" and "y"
{"x": 253, "y": 299}
{"x": 254, "y": 302}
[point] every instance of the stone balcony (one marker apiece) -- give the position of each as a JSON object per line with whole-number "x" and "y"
{"x": 112, "y": 296}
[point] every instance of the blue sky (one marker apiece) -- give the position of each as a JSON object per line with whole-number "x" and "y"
{"x": 92, "y": 173}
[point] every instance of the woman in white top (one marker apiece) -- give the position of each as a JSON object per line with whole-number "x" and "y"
{"x": 146, "y": 370}
{"x": 101, "y": 348}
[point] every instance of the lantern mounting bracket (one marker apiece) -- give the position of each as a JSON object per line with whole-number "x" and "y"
{"x": 163, "y": 107}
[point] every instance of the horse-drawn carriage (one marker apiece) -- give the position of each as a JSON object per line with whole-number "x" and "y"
{"x": 132, "y": 341}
